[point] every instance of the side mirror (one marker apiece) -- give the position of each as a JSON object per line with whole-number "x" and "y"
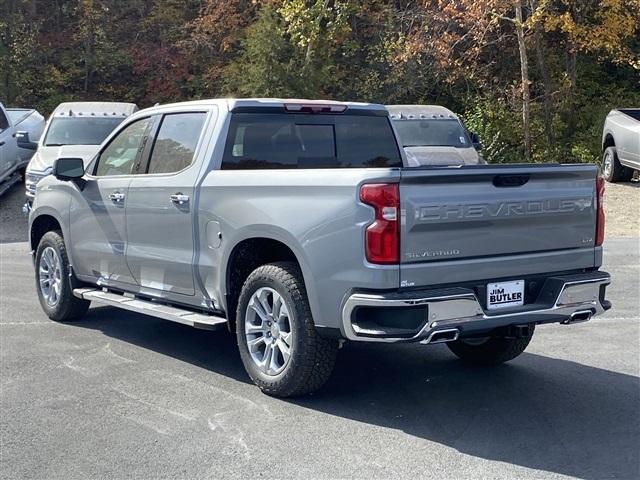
{"x": 475, "y": 141}
{"x": 68, "y": 168}
{"x": 23, "y": 141}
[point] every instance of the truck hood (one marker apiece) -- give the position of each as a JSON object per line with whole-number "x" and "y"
{"x": 45, "y": 156}
{"x": 441, "y": 156}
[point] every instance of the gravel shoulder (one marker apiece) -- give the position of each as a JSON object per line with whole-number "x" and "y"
{"x": 622, "y": 209}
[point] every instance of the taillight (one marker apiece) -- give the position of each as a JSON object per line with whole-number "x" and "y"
{"x": 314, "y": 108}
{"x": 599, "y": 210}
{"x": 382, "y": 237}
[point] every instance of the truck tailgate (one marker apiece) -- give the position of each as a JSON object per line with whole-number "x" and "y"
{"x": 486, "y": 215}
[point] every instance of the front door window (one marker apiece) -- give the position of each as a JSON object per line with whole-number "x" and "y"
{"x": 121, "y": 155}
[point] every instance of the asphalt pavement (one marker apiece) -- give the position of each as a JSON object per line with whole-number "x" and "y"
{"x": 121, "y": 395}
{"x": 13, "y": 223}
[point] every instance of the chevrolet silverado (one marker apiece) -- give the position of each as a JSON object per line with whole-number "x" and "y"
{"x": 298, "y": 225}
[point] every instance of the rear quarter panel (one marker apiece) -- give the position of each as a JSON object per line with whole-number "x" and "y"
{"x": 316, "y": 213}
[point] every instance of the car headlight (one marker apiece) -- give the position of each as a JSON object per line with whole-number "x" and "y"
{"x": 32, "y": 178}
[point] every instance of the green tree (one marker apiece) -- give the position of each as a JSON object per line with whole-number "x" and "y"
{"x": 269, "y": 64}
{"x": 18, "y": 42}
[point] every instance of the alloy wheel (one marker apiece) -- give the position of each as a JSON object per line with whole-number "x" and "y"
{"x": 268, "y": 331}
{"x": 50, "y": 276}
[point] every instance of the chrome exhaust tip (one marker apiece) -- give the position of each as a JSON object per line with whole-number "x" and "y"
{"x": 578, "y": 317}
{"x": 442, "y": 336}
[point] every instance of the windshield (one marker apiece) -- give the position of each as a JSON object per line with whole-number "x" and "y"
{"x": 17, "y": 114}
{"x": 432, "y": 133}
{"x": 80, "y": 131}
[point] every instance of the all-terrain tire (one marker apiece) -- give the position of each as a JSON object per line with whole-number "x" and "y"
{"x": 67, "y": 307}
{"x": 616, "y": 172}
{"x": 494, "y": 351}
{"x": 312, "y": 356}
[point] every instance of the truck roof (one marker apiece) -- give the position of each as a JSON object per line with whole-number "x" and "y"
{"x": 413, "y": 112}
{"x": 72, "y": 109}
{"x": 236, "y": 103}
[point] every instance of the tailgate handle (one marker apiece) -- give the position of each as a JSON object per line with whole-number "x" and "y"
{"x": 510, "y": 180}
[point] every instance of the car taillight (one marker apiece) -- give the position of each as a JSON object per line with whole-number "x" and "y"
{"x": 599, "y": 210}
{"x": 382, "y": 237}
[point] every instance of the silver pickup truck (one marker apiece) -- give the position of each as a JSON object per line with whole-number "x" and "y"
{"x": 297, "y": 225}
{"x": 621, "y": 144}
{"x": 18, "y": 127}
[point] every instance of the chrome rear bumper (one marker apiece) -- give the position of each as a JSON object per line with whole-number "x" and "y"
{"x": 562, "y": 299}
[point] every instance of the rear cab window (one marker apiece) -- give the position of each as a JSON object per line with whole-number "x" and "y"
{"x": 309, "y": 140}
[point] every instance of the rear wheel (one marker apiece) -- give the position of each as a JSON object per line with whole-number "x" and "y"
{"x": 612, "y": 170}
{"x": 279, "y": 345}
{"x": 53, "y": 282}
{"x": 490, "y": 350}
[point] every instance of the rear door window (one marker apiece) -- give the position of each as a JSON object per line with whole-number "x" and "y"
{"x": 286, "y": 141}
{"x": 175, "y": 144}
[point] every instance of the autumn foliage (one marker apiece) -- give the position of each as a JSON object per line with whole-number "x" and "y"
{"x": 535, "y": 78}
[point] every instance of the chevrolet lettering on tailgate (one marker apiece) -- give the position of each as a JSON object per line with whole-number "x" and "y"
{"x": 503, "y": 209}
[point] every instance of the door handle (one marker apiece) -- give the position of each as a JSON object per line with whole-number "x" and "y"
{"x": 1, "y": 144}
{"x": 116, "y": 196}
{"x": 179, "y": 198}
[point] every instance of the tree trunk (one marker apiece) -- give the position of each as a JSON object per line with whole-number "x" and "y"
{"x": 5, "y": 49}
{"x": 524, "y": 72}
{"x": 309, "y": 54}
{"x": 572, "y": 74}
{"x": 546, "y": 78}
{"x": 87, "y": 53}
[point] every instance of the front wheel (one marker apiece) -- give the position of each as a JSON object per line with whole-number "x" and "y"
{"x": 490, "y": 350}
{"x": 279, "y": 345}
{"x": 53, "y": 282}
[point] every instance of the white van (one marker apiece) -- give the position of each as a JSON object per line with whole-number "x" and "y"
{"x": 433, "y": 135}
{"x": 74, "y": 129}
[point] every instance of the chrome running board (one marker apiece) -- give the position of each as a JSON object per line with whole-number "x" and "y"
{"x": 147, "y": 307}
